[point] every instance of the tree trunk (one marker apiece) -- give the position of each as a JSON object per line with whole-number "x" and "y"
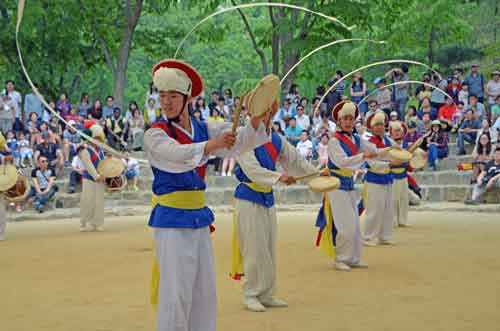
{"x": 120, "y": 75}
{"x": 430, "y": 49}
{"x": 275, "y": 46}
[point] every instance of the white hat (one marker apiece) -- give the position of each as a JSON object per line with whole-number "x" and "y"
{"x": 175, "y": 75}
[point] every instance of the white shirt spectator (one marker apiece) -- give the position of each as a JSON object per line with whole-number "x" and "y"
{"x": 305, "y": 148}
{"x": 303, "y": 121}
{"x": 77, "y": 164}
{"x": 464, "y": 97}
{"x": 17, "y": 100}
{"x": 493, "y": 89}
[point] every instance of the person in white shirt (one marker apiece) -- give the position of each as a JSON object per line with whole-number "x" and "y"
{"x": 302, "y": 119}
{"x": 15, "y": 96}
{"x": 305, "y": 146}
{"x": 493, "y": 88}
{"x": 463, "y": 95}
{"x": 132, "y": 173}
{"x": 75, "y": 176}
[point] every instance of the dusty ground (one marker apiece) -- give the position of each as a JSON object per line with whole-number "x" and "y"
{"x": 443, "y": 275}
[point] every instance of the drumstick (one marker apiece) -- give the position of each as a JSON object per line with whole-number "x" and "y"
{"x": 317, "y": 173}
{"x": 416, "y": 144}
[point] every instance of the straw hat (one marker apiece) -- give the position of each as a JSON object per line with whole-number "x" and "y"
{"x": 8, "y": 177}
{"x": 110, "y": 167}
{"x": 175, "y": 75}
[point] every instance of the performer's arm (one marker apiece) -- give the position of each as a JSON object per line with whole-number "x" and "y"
{"x": 87, "y": 163}
{"x": 167, "y": 154}
{"x": 247, "y": 139}
{"x": 258, "y": 174}
{"x": 292, "y": 161}
{"x": 340, "y": 158}
{"x": 376, "y": 164}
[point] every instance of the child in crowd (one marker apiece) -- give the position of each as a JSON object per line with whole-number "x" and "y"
{"x": 323, "y": 151}
{"x": 132, "y": 173}
{"x": 25, "y": 151}
{"x": 12, "y": 147}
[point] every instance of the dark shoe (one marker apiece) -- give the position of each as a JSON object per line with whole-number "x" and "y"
{"x": 471, "y": 202}
{"x": 71, "y": 190}
{"x": 461, "y": 153}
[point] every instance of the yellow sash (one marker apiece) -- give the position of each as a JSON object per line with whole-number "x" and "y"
{"x": 398, "y": 170}
{"x": 237, "y": 266}
{"x": 259, "y": 188}
{"x": 181, "y": 200}
{"x": 383, "y": 172}
{"x": 343, "y": 172}
{"x": 326, "y": 241}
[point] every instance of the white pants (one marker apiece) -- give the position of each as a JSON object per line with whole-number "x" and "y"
{"x": 92, "y": 203}
{"x": 379, "y": 212}
{"x": 257, "y": 227}
{"x": 345, "y": 217}
{"x": 3, "y": 218}
{"x": 401, "y": 201}
{"x": 187, "y": 298}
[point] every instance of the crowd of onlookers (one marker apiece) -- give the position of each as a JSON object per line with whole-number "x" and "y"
{"x": 469, "y": 109}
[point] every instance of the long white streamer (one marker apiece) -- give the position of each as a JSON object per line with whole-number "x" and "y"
{"x": 259, "y": 4}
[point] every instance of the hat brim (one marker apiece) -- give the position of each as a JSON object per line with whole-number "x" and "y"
{"x": 194, "y": 76}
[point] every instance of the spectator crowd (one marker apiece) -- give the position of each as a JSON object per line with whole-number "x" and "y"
{"x": 470, "y": 109}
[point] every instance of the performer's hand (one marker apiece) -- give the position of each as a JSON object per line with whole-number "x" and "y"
{"x": 226, "y": 140}
{"x": 369, "y": 155}
{"x": 287, "y": 180}
{"x": 325, "y": 172}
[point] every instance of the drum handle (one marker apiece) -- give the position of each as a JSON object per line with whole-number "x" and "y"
{"x": 314, "y": 174}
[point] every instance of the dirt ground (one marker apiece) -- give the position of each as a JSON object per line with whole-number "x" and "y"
{"x": 442, "y": 275}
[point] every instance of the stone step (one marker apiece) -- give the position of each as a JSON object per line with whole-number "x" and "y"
{"x": 297, "y": 194}
{"x": 144, "y": 211}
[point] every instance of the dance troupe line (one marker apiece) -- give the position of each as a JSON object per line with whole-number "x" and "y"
{"x": 178, "y": 147}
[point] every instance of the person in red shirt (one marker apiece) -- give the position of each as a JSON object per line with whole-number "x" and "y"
{"x": 447, "y": 111}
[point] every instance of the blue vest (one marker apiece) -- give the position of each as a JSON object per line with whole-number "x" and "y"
{"x": 401, "y": 171}
{"x": 346, "y": 182}
{"x": 376, "y": 178}
{"x": 267, "y": 161}
{"x": 167, "y": 182}
{"x": 96, "y": 157}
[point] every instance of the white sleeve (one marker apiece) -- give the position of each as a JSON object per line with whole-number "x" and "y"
{"x": 247, "y": 138}
{"x": 167, "y": 154}
{"x": 376, "y": 164}
{"x": 291, "y": 160}
{"x": 340, "y": 158}
{"x": 258, "y": 174}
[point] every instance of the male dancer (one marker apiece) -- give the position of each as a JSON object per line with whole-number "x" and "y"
{"x": 92, "y": 197}
{"x": 378, "y": 184}
{"x": 3, "y": 212}
{"x": 338, "y": 218}
{"x": 255, "y": 216}
{"x": 178, "y": 148}
{"x": 397, "y": 131}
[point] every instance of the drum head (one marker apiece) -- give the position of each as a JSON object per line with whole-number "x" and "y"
{"x": 261, "y": 98}
{"x": 110, "y": 167}
{"x": 419, "y": 159}
{"x": 400, "y": 155}
{"x": 324, "y": 184}
{"x": 8, "y": 176}
{"x": 116, "y": 183}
